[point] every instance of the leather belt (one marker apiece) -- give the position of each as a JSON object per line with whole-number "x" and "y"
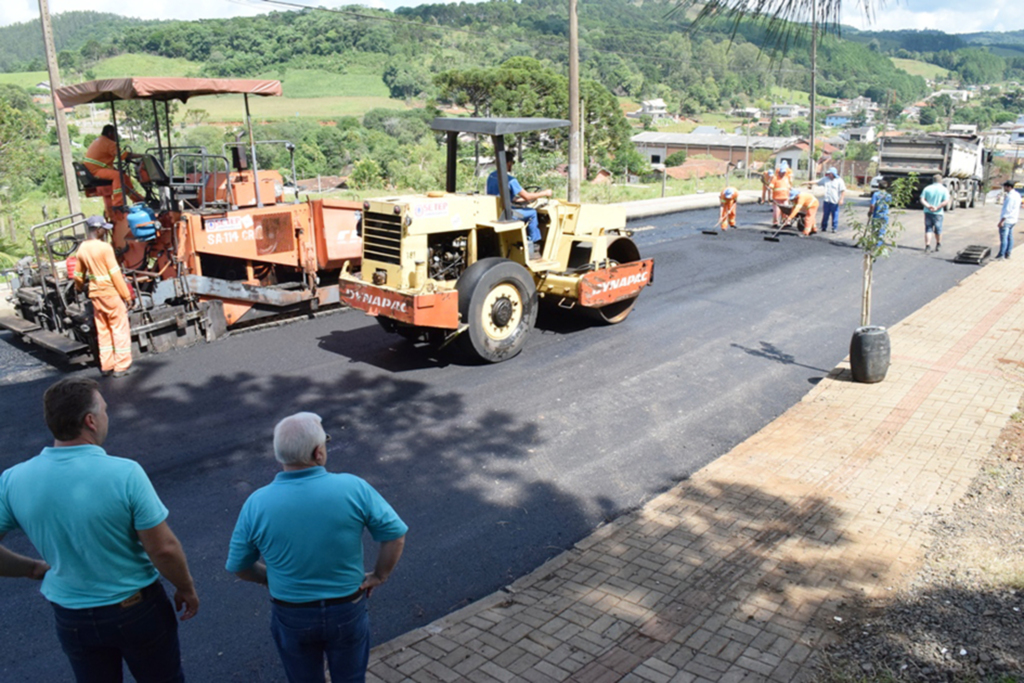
{"x": 146, "y": 592}
{"x": 320, "y": 603}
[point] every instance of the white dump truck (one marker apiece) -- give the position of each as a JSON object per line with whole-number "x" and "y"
{"x": 961, "y": 161}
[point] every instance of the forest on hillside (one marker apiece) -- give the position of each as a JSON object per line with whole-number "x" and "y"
{"x": 635, "y": 51}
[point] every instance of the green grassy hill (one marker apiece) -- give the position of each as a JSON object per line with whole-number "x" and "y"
{"x": 923, "y": 69}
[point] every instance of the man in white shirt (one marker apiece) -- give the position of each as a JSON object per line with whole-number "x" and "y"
{"x": 835, "y": 195}
{"x": 1008, "y": 219}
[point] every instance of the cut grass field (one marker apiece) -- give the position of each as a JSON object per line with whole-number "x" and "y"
{"x": 124, "y": 66}
{"x": 790, "y": 96}
{"x": 923, "y": 69}
{"x": 25, "y": 79}
{"x": 231, "y": 108}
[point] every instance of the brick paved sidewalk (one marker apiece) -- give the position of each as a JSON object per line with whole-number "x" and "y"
{"x": 737, "y": 573}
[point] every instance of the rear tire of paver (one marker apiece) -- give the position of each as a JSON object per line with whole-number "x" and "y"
{"x": 498, "y": 302}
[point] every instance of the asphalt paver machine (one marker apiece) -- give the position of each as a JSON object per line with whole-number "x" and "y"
{"x": 214, "y": 244}
{"x": 453, "y": 267}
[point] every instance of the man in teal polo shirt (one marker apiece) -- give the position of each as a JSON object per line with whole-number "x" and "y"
{"x": 307, "y": 525}
{"x": 102, "y": 532}
{"x": 934, "y": 199}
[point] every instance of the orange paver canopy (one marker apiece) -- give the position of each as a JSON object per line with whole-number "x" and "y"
{"x": 161, "y": 89}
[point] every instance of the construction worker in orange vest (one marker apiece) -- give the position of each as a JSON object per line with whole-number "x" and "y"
{"x": 99, "y": 160}
{"x": 97, "y": 266}
{"x": 781, "y": 186}
{"x": 727, "y": 215}
{"x": 766, "y": 185}
{"x": 807, "y": 204}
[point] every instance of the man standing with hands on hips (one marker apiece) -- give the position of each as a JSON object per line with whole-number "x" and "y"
{"x": 307, "y": 525}
{"x": 102, "y": 532}
{"x": 934, "y": 199}
{"x": 1008, "y": 219}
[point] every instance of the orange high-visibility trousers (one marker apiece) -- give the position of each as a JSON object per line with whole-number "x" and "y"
{"x": 117, "y": 198}
{"x": 727, "y": 215}
{"x": 113, "y": 333}
{"x": 809, "y": 227}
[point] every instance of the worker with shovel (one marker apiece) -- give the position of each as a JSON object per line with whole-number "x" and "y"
{"x": 807, "y": 204}
{"x": 727, "y": 214}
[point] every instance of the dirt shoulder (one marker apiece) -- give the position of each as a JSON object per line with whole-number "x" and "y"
{"x": 961, "y": 617}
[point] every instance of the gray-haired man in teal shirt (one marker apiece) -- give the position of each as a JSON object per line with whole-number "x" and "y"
{"x": 307, "y": 526}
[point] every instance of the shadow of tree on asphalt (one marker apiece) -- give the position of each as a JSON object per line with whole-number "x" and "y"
{"x": 206, "y": 444}
{"x": 945, "y": 633}
{"x": 770, "y": 351}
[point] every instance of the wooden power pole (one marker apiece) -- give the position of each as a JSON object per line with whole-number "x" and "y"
{"x": 575, "y": 153}
{"x": 812, "y": 170}
{"x": 70, "y": 186}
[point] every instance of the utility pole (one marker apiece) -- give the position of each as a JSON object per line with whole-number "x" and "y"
{"x": 811, "y": 170}
{"x": 575, "y": 155}
{"x": 70, "y": 187}
{"x": 746, "y": 160}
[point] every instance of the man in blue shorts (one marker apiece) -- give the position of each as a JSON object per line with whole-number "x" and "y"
{"x": 307, "y": 525}
{"x": 519, "y": 195}
{"x": 103, "y": 535}
{"x": 934, "y": 199}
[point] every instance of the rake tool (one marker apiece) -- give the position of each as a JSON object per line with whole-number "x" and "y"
{"x": 774, "y": 237}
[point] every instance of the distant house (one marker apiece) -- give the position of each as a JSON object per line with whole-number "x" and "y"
{"x": 861, "y": 104}
{"x": 1017, "y": 133}
{"x": 955, "y": 95}
{"x": 656, "y": 109}
{"x": 839, "y": 118}
{"x": 43, "y": 85}
{"x": 727, "y": 147}
{"x": 707, "y": 130}
{"x": 963, "y": 128}
{"x": 861, "y": 134}
{"x": 787, "y": 111}
{"x": 747, "y": 112}
{"x": 795, "y": 155}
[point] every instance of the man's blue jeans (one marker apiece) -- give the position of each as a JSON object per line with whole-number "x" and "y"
{"x": 1006, "y": 240}
{"x": 829, "y": 209}
{"x": 532, "y": 229}
{"x": 304, "y": 635}
{"x": 144, "y": 635}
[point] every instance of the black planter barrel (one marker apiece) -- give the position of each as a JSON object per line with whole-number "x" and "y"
{"x": 869, "y": 354}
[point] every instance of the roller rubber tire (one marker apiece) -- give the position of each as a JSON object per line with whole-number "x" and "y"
{"x": 498, "y": 302}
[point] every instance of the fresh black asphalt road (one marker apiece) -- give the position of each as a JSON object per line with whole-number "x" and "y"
{"x": 494, "y": 468}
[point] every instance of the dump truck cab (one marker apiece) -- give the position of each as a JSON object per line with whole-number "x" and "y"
{"x": 450, "y": 266}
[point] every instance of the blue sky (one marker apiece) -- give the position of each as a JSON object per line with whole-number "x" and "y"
{"x": 951, "y": 16}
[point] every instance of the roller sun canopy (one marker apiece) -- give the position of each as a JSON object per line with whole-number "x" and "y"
{"x": 496, "y": 126}
{"x": 162, "y": 89}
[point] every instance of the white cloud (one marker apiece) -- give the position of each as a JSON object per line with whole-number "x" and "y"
{"x": 950, "y": 16}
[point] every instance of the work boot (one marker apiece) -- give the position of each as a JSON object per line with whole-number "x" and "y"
{"x": 534, "y": 251}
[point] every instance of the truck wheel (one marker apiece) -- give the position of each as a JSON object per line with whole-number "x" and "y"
{"x": 974, "y": 195}
{"x": 622, "y": 250}
{"x": 498, "y": 301}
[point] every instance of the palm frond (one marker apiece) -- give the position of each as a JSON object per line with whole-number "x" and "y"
{"x": 784, "y": 21}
